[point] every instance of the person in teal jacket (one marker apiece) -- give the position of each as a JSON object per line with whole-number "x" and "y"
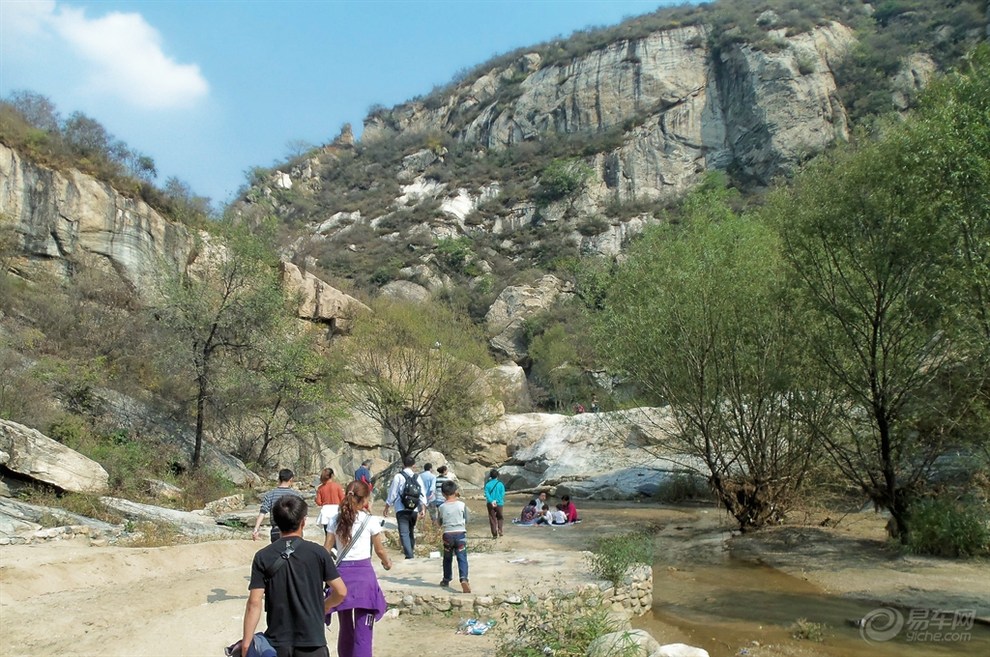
{"x": 495, "y": 499}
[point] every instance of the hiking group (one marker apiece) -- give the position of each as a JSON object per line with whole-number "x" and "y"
{"x": 304, "y": 586}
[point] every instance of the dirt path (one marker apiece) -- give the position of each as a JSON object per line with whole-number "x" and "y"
{"x": 69, "y": 599}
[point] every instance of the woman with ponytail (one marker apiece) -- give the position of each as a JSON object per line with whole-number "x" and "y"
{"x": 355, "y": 533}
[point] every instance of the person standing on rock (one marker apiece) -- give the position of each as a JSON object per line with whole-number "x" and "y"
{"x": 285, "y": 477}
{"x": 287, "y": 581}
{"x": 407, "y": 497}
{"x": 495, "y": 501}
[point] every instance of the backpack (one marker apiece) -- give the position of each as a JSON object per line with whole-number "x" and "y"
{"x": 411, "y": 492}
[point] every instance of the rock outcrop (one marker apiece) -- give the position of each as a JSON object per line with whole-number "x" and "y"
{"x": 318, "y": 301}
{"x": 67, "y": 219}
{"x": 516, "y": 304}
{"x": 31, "y": 454}
{"x": 691, "y": 108}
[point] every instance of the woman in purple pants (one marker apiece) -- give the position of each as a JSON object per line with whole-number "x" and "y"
{"x": 365, "y": 602}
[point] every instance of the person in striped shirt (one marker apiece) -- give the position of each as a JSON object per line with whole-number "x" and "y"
{"x": 285, "y": 477}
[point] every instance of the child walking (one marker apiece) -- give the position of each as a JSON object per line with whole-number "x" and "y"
{"x": 453, "y": 515}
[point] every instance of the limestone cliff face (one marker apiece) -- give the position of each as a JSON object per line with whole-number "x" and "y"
{"x": 64, "y": 220}
{"x": 681, "y": 108}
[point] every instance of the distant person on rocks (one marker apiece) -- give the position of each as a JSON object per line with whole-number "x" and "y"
{"x": 329, "y": 495}
{"x": 428, "y": 480}
{"x": 355, "y": 533}
{"x": 495, "y": 502}
{"x": 408, "y": 504}
{"x": 453, "y": 520}
{"x": 438, "y": 498}
{"x": 569, "y": 509}
{"x": 594, "y": 405}
{"x": 285, "y": 477}
{"x": 287, "y": 581}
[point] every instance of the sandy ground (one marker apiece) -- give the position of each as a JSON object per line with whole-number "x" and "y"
{"x": 67, "y": 598}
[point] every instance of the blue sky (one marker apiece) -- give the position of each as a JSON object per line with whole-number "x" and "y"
{"x": 212, "y": 88}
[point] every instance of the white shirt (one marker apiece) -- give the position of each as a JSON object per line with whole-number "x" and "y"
{"x": 361, "y": 549}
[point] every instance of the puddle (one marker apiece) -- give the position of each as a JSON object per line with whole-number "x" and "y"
{"x": 724, "y": 605}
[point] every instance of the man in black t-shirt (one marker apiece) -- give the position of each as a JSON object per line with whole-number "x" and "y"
{"x": 290, "y": 575}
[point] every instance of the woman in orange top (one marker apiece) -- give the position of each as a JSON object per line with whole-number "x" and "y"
{"x": 329, "y": 492}
{"x": 329, "y": 495}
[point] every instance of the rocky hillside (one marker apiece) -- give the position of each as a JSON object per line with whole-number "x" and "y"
{"x": 569, "y": 148}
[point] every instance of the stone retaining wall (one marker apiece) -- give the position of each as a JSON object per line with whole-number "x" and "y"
{"x": 634, "y": 597}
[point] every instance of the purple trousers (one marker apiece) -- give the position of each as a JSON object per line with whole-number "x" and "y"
{"x": 355, "y": 632}
{"x": 364, "y": 604}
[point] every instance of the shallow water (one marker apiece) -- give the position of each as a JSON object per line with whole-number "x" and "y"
{"x": 724, "y": 605}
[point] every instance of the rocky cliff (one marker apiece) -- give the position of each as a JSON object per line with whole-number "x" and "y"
{"x": 647, "y": 117}
{"x": 687, "y": 107}
{"x": 66, "y": 220}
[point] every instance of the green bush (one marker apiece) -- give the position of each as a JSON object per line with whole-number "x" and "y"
{"x": 805, "y": 630}
{"x": 613, "y": 556}
{"x": 949, "y": 528}
{"x": 532, "y": 632}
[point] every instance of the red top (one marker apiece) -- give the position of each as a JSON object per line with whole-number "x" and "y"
{"x": 330, "y": 492}
{"x": 571, "y": 512}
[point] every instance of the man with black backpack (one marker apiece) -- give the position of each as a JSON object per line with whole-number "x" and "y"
{"x": 407, "y": 497}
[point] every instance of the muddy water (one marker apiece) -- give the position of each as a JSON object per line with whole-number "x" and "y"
{"x": 706, "y": 598}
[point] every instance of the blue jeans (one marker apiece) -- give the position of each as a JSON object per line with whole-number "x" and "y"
{"x": 455, "y": 543}
{"x": 407, "y": 525}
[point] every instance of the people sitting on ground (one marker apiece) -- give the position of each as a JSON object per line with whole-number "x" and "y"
{"x": 557, "y": 515}
{"x": 569, "y": 509}
{"x": 529, "y": 515}
{"x": 541, "y": 502}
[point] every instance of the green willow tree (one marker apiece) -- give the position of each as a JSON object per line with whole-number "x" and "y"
{"x": 418, "y": 370}
{"x": 697, "y": 318}
{"x": 225, "y": 310}
{"x": 889, "y": 246}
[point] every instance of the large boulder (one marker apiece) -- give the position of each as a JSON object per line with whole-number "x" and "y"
{"x": 591, "y": 455}
{"x": 318, "y": 301}
{"x": 30, "y": 453}
{"x": 629, "y": 643}
{"x": 509, "y": 382}
{"x": 190, "y": 523}
{"x": 514, "y": 305}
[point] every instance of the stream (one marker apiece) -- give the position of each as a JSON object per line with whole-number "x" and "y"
{"x": 704, "y": 597}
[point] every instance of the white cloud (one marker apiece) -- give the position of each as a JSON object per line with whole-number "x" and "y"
{"x": 118, "y": 55}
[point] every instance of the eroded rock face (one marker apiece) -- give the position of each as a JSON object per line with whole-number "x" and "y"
{"x": 691, "y": 109}
{"x": 515, "y": 305}
{"x": 30, "y": 453}
{"x": 72, "y": 216}
{"x": 318, "y": 301}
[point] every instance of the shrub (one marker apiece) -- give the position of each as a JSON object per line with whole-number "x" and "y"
{"x": 949, "y": 528}
{"x": 532, "y": 632}
{"x": 613, "y": 556}
{"x": 805, "y": 630}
